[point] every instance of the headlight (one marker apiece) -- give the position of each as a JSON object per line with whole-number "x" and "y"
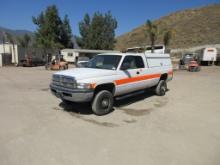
{"x": 84, "y": 86}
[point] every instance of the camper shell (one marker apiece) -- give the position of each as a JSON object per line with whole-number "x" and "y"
{"x": 207, "y": 55}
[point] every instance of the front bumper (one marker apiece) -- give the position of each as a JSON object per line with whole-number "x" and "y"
{"x": 74, "y": 95}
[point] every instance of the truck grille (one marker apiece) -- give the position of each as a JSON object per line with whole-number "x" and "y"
{"x": 64, "y": 81}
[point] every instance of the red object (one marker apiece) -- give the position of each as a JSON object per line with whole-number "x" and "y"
{"x": 193, "y": 64}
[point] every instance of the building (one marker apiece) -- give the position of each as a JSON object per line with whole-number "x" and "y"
{"x": 72, "y": 55}
{"x": 8, "y": 54}
{"x": 12, "y": 54}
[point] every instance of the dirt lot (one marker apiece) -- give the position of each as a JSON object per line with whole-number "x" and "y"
{"x": 182, "y": 128}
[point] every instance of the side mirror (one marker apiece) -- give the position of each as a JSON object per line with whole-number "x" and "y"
{"x": 125, "y": 66}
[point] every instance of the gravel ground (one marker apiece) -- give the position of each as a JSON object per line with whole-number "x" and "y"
{"x": 181, "y": 128}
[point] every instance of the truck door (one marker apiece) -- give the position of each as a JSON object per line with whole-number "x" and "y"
{"x": 131, "y": 71}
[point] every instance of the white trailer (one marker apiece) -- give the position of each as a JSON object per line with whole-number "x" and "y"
{"x": 207, "y": 55}
{"x": 72, "y": 55}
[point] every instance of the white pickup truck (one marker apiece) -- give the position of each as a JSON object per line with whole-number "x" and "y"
{"x": 110, "y": 75}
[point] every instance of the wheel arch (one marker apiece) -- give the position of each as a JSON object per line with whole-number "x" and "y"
{"x": 164, "y": 76}
{"x": 106, "y": 86}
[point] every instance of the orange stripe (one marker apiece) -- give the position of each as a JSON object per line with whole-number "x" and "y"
{"x": 93, "y": 85}
{"x": 134, "y": 79}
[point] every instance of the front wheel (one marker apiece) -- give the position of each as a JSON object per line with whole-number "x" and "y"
{"x": 161, "y": 88}
{"x": 102, "y": 103}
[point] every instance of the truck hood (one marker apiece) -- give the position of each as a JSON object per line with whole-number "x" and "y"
{"x": 86, "y": 73}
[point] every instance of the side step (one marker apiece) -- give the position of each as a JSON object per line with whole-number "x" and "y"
{"x": 129, "y": 95}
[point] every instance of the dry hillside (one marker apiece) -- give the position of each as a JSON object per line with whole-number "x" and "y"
{"x": 191, "y": 27}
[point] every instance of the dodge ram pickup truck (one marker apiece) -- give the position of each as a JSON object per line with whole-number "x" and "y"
{"x": 110, "y": 75}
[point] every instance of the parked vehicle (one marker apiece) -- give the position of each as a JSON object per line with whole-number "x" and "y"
{"x": 193, "y": 66}
{"x": 207, "y": 56}
{"x": 185, "y": 60}
{"x": 59, "y": 63}
{"x": 217, "y": 60}
{"x": 82, "y": 62}
{"x": 31, "y": 61}
{"x": 112, "y": 75}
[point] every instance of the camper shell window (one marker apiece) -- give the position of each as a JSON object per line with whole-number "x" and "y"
{"x": 70, "y": 54}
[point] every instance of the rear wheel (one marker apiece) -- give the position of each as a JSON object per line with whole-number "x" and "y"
{"x": 161, "y": 88}
{"x": 102, "y": 103}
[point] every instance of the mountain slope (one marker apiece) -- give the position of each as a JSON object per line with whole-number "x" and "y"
{"x": 19, "y": 33}
{"x": 191, "y": 27}
{"x": 14, "y": 33}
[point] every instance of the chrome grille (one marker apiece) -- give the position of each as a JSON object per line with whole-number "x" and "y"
{"x": 64, "y": 81}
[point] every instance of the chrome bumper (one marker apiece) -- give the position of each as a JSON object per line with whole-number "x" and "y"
{"x": 74, "y": 95}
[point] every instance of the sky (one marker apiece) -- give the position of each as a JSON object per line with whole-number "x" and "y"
{"x": 17, "y": 14}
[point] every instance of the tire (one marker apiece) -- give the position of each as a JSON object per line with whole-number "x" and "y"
{"x": 102, "y": 103}
{"x": 191, "y": 69}
{"x": 161, "y": 88}
{"x": 62, "y": 67}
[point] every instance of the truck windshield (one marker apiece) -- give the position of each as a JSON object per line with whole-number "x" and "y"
{"x": 109, "y": 62}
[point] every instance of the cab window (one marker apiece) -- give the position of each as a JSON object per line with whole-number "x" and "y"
{"x": 132, "y": 62}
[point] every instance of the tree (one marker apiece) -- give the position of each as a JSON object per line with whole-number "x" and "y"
{"x": 152, "y": 32}
{"x": 66, "y": 33}
{"x": 166, "y": 38}
{"x": 98, "y": 32}
{"x": 52, "y": 32}
{"x": 84, "y": 29}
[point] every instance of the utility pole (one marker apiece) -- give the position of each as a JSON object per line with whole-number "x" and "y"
{"x": 3, "y": 42}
